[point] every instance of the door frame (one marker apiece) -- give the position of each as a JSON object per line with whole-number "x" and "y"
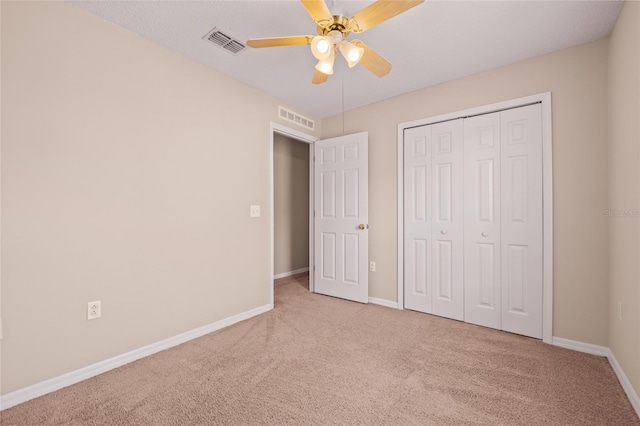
{"x": 276, "y": 128}
{"x": 547, "y": 194}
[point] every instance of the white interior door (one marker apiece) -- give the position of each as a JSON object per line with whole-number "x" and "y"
{"x": 521, "y": 218}
{"x": 341, "y": 217}
{"x": 482, "y": 296}
{"x": 433, "y": 266}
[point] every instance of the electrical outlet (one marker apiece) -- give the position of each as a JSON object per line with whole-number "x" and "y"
{"x": 619, "y": 311}
{"x": 94, "y": 310}
{"x": 372, "y": 266}
{"x": 254, "y": 211}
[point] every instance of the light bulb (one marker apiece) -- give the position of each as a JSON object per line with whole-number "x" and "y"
{"x": 325, "y": 66}
{"x": 354, "y": 55}
{"x": 321, "y": 47}
{"x": 351, "y": 53}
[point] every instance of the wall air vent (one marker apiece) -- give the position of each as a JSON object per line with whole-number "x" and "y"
{"x": 296, "y": 118}
{"x": 224, "y": 41}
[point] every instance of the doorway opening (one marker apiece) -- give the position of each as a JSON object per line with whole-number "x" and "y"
{"x": 291, "y": 206}
{"x": 291, "y": 203}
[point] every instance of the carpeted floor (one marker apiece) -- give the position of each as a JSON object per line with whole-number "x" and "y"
{"x": 320, "y": 360}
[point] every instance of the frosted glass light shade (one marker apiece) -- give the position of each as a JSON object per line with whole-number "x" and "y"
{"x": 351, "y": 53}
{"x": 321, "y": 47}
{"x": 325, "y": 66}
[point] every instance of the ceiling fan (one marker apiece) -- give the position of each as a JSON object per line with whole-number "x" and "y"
{"x": 332, "y": 36}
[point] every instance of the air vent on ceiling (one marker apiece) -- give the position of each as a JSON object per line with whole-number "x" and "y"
{"x": 296, "y": 118}
{"x": 224, "y": 41}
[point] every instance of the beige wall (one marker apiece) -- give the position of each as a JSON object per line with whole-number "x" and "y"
{"x": 577, "y": 79}
{"x": 127, "y": 175}
{"x": 624, "y": 190}
{"x": 291, "y": 204}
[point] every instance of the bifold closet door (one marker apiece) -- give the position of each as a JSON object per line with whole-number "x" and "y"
{"x": 433, "y": 219}
{"x": 482, "y": 293}
{"x": 521, "y": 217}
{"x": 503, "y": 220}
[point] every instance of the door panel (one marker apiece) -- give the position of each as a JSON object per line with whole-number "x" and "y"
{"x": 351, "y": 199}
{"x": 328, "y": 191}
{"x": 482, "y": 220}
{"x": 328, "y": 256}
{"x": 417, "y": 219}
{"x": 351, "y": 256}
{"x": 444, "y": 270}
{"x": 448, "y": 219}
{"x": 433, "y": 182}
{"x": 487, "y": 279}
{"x": 341, "y": 197}
{"x": 521, "y": 211}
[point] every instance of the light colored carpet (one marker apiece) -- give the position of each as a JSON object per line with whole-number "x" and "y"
{"x": 320, "y": 360}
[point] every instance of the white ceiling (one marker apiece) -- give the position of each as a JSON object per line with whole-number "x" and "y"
{"x": 434, "y": 42}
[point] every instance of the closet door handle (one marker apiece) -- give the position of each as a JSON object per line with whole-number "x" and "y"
{"x": 443, "y": 231}
{"x": 484, "y": 234}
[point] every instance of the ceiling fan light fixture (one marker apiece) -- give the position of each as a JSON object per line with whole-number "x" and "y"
{"x": 321, "y": 47}
{"x": 325, "y": 66}
{"x": 352, "y": 53}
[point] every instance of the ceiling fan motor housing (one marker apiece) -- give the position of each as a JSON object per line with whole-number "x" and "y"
{"x": 340, "y": 24}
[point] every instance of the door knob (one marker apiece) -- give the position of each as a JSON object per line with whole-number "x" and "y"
{"x": 443, "y": 231}
{"x": 361, "y": 226}
{"x": 484, "y": 234}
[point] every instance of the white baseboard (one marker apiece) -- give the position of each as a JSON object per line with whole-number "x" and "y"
{"x": 605, "y": 352}
{"x": 383, "y": 302}
{"x": 288, "y": 274}
{"x": 30, "y": 392}
{"x": 580, "y": 346}
{"x": 624, "y": 381}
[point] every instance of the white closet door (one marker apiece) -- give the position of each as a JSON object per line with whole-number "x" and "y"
{"x": 521, "y": 214}
{"x": 433, "y": 161}
{"x": 447, "y": 261}
{"x": 482, "y": 220}
{"x": 417, "y": 219}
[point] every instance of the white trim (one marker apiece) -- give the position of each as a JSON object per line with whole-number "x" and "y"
{"x": 312, "y": 222}
{"x": 547, "y": 220}
{"x": 30, "y": 392}
{"x": 290, "y": 273}
{"x": 484, "y": 109}
{"x": 632, "y": 395}
{"x": 400, "y": 168}
{"x": 580, "y": 346}
{"x": 383, "y": 302}
{"x": 624, "y": 381}
{"x": 547, "y": 182}
{"x": 302, "y": 137}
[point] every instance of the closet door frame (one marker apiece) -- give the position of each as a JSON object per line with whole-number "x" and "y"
{"x": 547, "y": 194}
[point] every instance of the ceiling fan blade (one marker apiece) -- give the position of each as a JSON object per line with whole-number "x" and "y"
{"x": 318, "y": 11}
{"x": 379, "y": 12}
{"x": 279, "y": 41}
{"x": 372, "y": 61}
{"x": 319, "y": 77}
